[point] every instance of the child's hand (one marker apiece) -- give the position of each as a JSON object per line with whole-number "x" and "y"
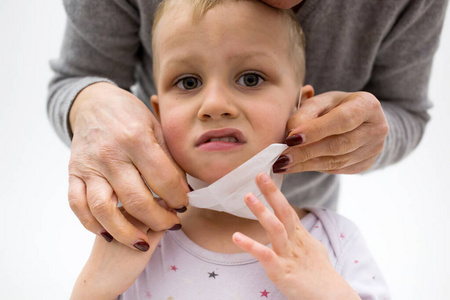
{"x": 297, "y": 264}
{"x": 113, "y": 267}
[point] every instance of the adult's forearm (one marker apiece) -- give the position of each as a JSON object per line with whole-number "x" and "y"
{"x": 406, "y": 129}
{"x": 92, "y": 51}
{"x": 401, "y": 74}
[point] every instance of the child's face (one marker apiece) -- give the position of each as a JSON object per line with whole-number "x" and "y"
{"x": 226, "y": 85}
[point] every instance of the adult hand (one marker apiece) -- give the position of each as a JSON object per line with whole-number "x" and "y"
{"x": 285, "y": 4}
{"x": 336, "y": 133}
{"x": 117, "y": 144}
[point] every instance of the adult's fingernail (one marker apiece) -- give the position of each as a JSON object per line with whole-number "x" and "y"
{"x": 142, "y": 246}
{"x": 295, "y": 140}
{"x": 181, "y": 209}
{"x": 108, "y": 237}
{"x": 281, "y": 162}
{"x": 279, "y": 170}
{"x": 175, "y": 227}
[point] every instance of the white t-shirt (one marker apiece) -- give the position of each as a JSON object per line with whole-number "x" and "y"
{"x": 180, "y": 269}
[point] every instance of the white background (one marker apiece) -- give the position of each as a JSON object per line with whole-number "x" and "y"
{"x": 403, "y": 211}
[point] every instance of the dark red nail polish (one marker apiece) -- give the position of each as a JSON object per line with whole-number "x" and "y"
{"x": 294, "y": 140}
{"x": 281, "y": 162}
{"x": 142, "y": 246}
{"x": 175, "y": 227}
{"x": 108, "y": 237}
{"x": 181, "y": 209}
{"x": 279, "y": 170}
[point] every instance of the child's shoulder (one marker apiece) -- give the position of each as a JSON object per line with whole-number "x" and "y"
{"x": 335, "y": 231}
{"x": 331, "y": 219}
{"x": 347, "y": 250}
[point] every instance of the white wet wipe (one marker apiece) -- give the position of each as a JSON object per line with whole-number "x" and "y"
{"x": 227, "y": 193}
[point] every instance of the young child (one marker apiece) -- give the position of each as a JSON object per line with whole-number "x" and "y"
{"x": 229, "y": 74}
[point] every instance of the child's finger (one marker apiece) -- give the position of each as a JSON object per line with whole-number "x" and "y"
{"x": 266, "y": 256}
{"x": 275, "y": 229}
{"x": 281, "y": 207}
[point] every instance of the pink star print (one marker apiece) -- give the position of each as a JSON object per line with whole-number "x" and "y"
{"x": 317, "y": 226}
{"x": 356, "y": 261}
{"x": 148, "y": 295}
{"x": 173, "y": 268}
{"x": 265, "y": 294}
{"x": 342, "y": 236}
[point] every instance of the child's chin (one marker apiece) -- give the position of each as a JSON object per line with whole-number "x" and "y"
{"x": 214, "y": 173}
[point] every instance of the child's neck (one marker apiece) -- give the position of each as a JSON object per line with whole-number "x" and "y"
{"x": 212, "y": 230}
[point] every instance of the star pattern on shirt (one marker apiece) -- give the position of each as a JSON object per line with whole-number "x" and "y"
{"x": 213, "y": 274}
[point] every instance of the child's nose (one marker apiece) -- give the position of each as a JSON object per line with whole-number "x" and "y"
{"x": 217, "y": 103}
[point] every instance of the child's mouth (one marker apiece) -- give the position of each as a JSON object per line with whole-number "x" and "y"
{"x": 220, "y": 139}
{"x": 227, "y": 139}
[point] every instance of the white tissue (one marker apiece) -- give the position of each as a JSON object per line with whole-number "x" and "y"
{"x": 227, "y": 193}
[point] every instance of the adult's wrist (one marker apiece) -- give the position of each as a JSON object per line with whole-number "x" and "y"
{"x": 88, "y": 93}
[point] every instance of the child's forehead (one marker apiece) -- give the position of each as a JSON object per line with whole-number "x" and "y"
{"x": 194, "y": 11}
{"x": 243, "y": 23}
{"x": 247, "y": 16}
{"x": 241, "y": 36}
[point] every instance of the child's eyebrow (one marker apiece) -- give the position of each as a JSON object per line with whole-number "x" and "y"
{"x": 188, "y": 62}
{"x": 192, "y": 61}
{"x": 254, "y": 55}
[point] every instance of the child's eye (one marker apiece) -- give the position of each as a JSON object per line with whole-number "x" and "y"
{"x": 188, "y": 83}
{"x": 250, "y": 79}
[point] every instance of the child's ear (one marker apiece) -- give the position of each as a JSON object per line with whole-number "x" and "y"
{"x": 155, "y": 105}
{"x": 307, "y": 92}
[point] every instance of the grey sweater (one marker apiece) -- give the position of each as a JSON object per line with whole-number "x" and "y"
{"x": 384, "y": 47}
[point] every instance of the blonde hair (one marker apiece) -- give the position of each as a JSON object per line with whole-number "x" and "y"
{"x": 200, "y": 7}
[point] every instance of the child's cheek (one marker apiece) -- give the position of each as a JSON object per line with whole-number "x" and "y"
{"x": 272, "y": 124}
{"x": 172, "y": 134}
{"x": 175, "y": 138}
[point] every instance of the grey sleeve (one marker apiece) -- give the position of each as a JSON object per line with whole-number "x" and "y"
{"x": 101, "y": 43}
{"x": 401, "y": 74}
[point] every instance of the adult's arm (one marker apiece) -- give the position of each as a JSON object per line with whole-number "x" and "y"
{"x": 401, "y": 74}
{"x": 115, "y": 140}
{"x": 101, "y": 44}
{"x": 339, "y": 132}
